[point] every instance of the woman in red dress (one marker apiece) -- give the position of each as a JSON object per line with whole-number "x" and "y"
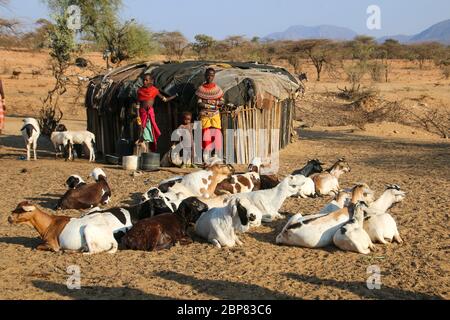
{"x": 146, "y": 98}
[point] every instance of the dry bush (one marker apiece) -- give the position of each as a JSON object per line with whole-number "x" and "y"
{"x": 377, "y": 71}
{"x": 371, "y": 109}
{"x": 433, "y": 119}
{"x": 446, "y": 72}
{"x": 356, "y": 92}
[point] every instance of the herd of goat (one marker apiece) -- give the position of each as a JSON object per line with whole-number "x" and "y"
{"x": 219, "y": 204}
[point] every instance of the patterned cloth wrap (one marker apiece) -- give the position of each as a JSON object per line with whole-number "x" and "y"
{"x": 210, "y": 95}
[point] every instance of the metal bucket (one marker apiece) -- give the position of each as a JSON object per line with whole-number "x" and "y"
{"x": 130, "y": 163}
{"x": 150, "y": 161}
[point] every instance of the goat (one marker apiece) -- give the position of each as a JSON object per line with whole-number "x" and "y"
{"x": 327, "y": 183}
{"x": 165, "y": 230}
{"x": 309, "y": 189}
{"x": 378, "y": 223}
{"x": 268, "y": 181}
{"x": 351, "y": 236}
{"x": 74, "y": 181}
{"x": 318, "y": 232}
{"x": 87, "y": 196}
{"x": 340, "y": 201}
{"x": 201, "y": 183}
{"x": 241, "y": 183}
{"x": 61, "y": 139}
{"x": 91, "y": 234}
{"x": 85, "y": 138}
{"x": 220, "y": 225}
{"x": 16, "y": 74}
{"x": 270, "y": 201}
{"x": 31, "y": 132}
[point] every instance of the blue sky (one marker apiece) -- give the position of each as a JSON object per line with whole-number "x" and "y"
{"x": 261, "y": 17}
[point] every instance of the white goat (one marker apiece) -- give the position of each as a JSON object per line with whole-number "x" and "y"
{"x": 352, "y": 237}
{"x": 31, "y": 132}
{"x": 64, "y": 137}
{"x": 269, "y": 202}
{"x": 220, "y": 225}
{"x": 319, "y": 232}
{"x": 379, "y": 224}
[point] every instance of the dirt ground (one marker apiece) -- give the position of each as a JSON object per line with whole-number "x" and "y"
{"x": 385, "y": 153}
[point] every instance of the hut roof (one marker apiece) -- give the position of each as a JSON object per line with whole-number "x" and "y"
{"x": 243, "y": 83}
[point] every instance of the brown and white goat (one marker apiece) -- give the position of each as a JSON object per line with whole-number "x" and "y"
{"x": 87, "y": 196}
{"x": 327, "y": 183}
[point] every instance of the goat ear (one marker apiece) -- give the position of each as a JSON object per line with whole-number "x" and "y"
{"x": 28, "y": 207}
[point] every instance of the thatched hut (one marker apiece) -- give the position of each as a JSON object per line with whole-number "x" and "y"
{"x": 262, "y": 96}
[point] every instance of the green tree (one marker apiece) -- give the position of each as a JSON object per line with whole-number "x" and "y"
{"x": 100, "y": 23}
{"x": 62, "y": 46}
{"x": 174, "y": 43}
{"x": 202, "y": 45}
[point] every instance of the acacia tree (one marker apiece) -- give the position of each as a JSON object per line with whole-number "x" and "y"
{"x": 100, "y": 23}
{"x": 202, "y": 45}
{"x": 174, "y": 43}
{"x": 321, "y": 52}
{"x": 62, "y": 47}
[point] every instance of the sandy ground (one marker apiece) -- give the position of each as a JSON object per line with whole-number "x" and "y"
{"x": 417, "y": 269}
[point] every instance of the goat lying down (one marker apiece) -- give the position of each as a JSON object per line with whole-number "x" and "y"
{"x": 379, "y": 224}
{"x": 269, "y": 202}
{"x": 87, "y": 196}
{"x": 91, "y": 234}
{"x": 165, "y": 230}
{"x": 327, "y": 183}
{"x": 220, "y": 225}
{"x": 309, "y": 188}
{"x": 319, "y": 232}
{"x": 351, "y": 236}
{"x": 242, "y": 183}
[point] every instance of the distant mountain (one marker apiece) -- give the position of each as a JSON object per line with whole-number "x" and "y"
{"x": 440, "y": 32}
{"x": 320, "y": 32}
